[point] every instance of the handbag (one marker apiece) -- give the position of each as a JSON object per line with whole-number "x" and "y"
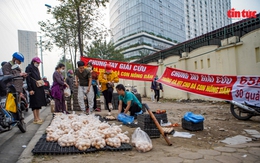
{"x": 39, "y": 83}
{"x": 67, "y": 92}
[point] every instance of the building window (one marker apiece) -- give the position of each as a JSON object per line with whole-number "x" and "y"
{"x": 208, "y": 62}
{"x": 195, "y": 64}
{"x": 257, "y": 54}
{"x": 201, "y": 64}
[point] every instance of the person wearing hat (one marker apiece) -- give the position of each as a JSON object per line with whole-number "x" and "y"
{"x": 107, "y": 80}
{"x": 83, "y": 80}
{"x": 36, "y": 94}
{"x": 13, "y": 68}
{"x": 95, "y": 85}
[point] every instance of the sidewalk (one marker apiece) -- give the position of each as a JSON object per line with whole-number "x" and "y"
{"x": 249, "y": 152}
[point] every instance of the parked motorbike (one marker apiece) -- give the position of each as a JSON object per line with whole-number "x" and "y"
{"x": 48, "y": 96}
{"x": 9, "y": 119}
{"x": 244, "y": 111}
{"x": 132, "y": 89}
{"x": 25, "y": 99}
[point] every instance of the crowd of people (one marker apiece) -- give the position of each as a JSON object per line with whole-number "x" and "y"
{"x": 90, "y": 85}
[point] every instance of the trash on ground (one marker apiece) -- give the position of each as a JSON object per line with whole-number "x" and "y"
{"x": 251, "y": 132}
{"x": 182, "y": 134}
{"x": 165, "y": 124}
{"x": 239, "y": 139}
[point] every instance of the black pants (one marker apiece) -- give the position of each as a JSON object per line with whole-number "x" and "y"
{"x": 133, "y": 109}
{"x": 157, "y": 94}
{"x": 95, "y": 96}
{"x": 108, "y": 97}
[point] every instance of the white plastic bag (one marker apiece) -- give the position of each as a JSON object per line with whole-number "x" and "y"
{"x": 67, "y": 92}
{"x": 141, "y": 140}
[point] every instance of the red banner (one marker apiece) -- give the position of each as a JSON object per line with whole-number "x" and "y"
{"x": 238, "y": 88}
{"x": 125, "y": 70}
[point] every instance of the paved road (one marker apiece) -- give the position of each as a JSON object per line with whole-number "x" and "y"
{"x": 13, "y": 142}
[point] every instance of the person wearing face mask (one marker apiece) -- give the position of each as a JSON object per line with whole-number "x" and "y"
{"x": 156, "y": 87}
{"x": 13, "y": 68}
{"x": 69, "y": 80}
{"x": 36, "y": 94}
{"x": 107, "y": 80}
{"x": 83, "y": 80}
{"x": 57, "y": 89}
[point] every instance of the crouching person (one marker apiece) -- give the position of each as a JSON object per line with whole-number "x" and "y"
{"x": 128, "y": 101}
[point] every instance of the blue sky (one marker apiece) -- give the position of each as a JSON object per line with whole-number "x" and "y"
{"x": 24, "y": 15}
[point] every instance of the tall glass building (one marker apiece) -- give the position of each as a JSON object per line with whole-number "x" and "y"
{"x": 27, "y": 46}
{"x": 146, "y": 26}
{"x": 203, "y": 16}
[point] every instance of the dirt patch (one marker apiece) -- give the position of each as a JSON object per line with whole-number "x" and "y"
{"x": 218, "y": 125}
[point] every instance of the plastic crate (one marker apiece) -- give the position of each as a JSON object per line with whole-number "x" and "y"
{"x": 146, "y": 118}
{"x": 153, "y": 133}
{"x": 192, "y": 126}
{"x": 53, "y": 148}
{"x": 147, "y": 125}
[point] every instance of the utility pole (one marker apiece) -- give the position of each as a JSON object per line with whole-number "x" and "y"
{"x": 41, "y": 55}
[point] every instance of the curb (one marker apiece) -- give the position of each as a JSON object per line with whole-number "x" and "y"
{"x": 27, "y": 155}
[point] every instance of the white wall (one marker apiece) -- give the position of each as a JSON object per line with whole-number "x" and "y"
{"x": 241, "y": 58}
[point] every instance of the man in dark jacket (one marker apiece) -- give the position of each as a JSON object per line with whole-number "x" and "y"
{"x": 156, "y": 87}
{"x": 70, "y": 81}
{"x": 13, "y": 68}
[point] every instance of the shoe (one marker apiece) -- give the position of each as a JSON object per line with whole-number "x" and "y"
{"x": 108, "y": 113}
{"x": 87, "y": 111}
{"x": 98, "y": 109}
{"x": 158, "y": 102}
{"x": 38, "y": 122}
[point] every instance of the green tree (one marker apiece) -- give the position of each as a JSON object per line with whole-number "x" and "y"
{"x": 104, "y": 50}
{"x": 75, "y": 23}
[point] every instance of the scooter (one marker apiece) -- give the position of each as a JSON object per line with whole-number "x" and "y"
{"x": 48, "y": 96}
{"x": 132, "y": 89}
{"x": 10, "y": 119}
{"x": 244, "y": 111}
{"x": 24, "y": 99}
